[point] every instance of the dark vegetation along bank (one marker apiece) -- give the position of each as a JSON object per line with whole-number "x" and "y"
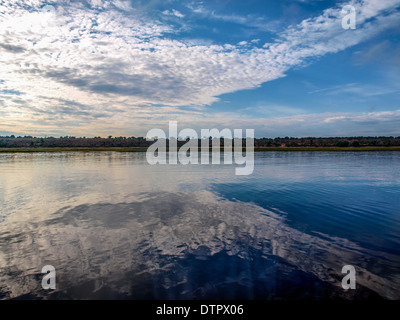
{"x": 13, "y": 143}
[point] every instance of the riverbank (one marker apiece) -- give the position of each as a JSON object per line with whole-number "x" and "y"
{"x": 141, "y": 149}
{"x": 329, "y": 149}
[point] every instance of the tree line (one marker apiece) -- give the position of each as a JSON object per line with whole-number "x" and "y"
{"x": 121, "y": 142}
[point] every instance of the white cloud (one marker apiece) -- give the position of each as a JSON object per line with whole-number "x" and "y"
{"x": 362, "y": 90}
{"x": 252, "y": 21}
{"x": 173, "y": 12}
{"x": 316, "y": 124}
{"x": 95, "y": 3}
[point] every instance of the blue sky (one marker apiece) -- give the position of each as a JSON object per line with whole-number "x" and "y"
{"x": 283, "y": 68}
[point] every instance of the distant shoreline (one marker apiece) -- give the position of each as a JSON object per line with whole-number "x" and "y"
{"x": 141, "y": 149}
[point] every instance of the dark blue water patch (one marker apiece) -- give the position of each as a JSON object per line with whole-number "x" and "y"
{"x": 366, "y": 214}
{"x": 258, "y": 276}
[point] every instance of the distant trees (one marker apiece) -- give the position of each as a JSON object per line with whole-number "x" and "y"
{"x": 342, "y": 144}
{"x": 98, "y": 142}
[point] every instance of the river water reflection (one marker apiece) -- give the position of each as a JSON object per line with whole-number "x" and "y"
{"x": 115, "y": 227}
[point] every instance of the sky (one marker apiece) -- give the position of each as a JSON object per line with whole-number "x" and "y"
{"x": 121, "y": 68}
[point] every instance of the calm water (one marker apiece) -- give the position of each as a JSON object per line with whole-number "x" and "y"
{"x": 115, "y": 227}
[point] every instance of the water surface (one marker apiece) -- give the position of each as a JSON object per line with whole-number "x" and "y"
{"x": 115, "y": 227}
